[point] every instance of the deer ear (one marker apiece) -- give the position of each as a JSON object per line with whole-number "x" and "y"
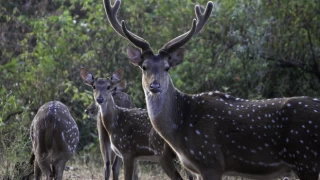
{"x": 86, "y": 77}
{"x": 134, "y": 55}
{"x": 122, "y": 85}
{"x": 117, "y": 76}
{"x": 177, "y": 57}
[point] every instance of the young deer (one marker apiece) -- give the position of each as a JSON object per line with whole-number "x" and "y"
{"x": 55, "y": 136}
{"x": 130, "y": 132}
{"x": 215, "y": 134}
{"x": 121, "y": 99}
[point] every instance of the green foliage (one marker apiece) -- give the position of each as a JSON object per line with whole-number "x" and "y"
{"x": 251, "y": 49}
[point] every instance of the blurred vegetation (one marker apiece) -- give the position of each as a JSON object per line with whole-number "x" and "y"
{"x": 251, "y": 49}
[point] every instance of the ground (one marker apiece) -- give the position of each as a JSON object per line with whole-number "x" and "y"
{"x": 90, "y": 168}
{"x": 147, "y": 171}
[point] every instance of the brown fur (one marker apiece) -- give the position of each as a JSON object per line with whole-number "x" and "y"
{"x": 55, "y": 136}
{"x": 121, "y": 99}
{"x": 131, "y": 134}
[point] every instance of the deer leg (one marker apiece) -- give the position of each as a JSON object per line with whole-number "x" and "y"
{"x": 37, "y": 171}
{"x": 166, "y": 162}
{"x": 135, "y": 170}
{"x": 43, "y": 163}
{"x": 129, "y": 164}
{"x": 42, "y": 156}
{"x": 198, "y": 177}
{"x": 105, "y": 148}
{"x": 189, "y": 174}
{"x": 58, "y": 168}
{"x": 116, "y": 166}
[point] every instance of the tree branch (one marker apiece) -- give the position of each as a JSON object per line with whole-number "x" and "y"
{"x": 284, "y": 63}
{"x": 19, "y": 112}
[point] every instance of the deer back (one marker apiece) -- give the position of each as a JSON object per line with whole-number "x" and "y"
{"x": 54, "y": 130}
{"x": 247, "y": 136}
{"x": 122, "y": 99}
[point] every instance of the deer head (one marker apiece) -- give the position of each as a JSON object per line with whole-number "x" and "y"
{"x": 121, "y": 98}
{"x": 155, "y": 67}
{"x": 102, "y": 86}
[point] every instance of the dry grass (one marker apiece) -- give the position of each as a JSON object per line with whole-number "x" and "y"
{"x": 90, "y": 167}
{"x": 78, "y": 171}
{"x": 147, "y": 171}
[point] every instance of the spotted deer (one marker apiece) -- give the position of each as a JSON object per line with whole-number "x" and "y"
{"x": 55, "y": 136}
{"x": 121, "y": 99}
{"x": 131, "y": 135}
{"x": 215, "y": 134}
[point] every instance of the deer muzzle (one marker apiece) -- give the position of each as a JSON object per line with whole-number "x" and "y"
{"x": 155, "y": 87}
{"x": 100, "y": 100}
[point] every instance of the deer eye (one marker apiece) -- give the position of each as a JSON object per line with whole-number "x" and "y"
{"x": 144, "y": 68}
{"x": 108, "y": 87}
{"x": 167, "y": 69}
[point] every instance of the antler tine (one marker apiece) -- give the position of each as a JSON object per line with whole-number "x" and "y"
{"x": 112, "y": 12}
{"x": 144, "y": 45}
{"x": 181, "y": 40}
{"x": 184, "y": 38}
{"x": 203, "y": 18}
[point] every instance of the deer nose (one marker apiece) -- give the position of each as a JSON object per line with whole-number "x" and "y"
{"x": 100, "y": 100}
{"x": 155, "y": 87}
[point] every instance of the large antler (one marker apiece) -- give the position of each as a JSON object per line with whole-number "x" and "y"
{"x": 112, "y": 12}
{"x": 184, "y": 38}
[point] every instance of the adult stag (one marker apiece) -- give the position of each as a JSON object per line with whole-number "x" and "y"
{"x": 55, "y": 136}
{"x": 131, "y": 135}
{"x": 215, "y": 134}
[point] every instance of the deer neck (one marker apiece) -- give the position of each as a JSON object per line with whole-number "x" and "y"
{"x": 162, "y": 110}
{"x": 109, "y": 114}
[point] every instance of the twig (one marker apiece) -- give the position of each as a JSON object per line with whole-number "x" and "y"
{"x": 19, "y": 112}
